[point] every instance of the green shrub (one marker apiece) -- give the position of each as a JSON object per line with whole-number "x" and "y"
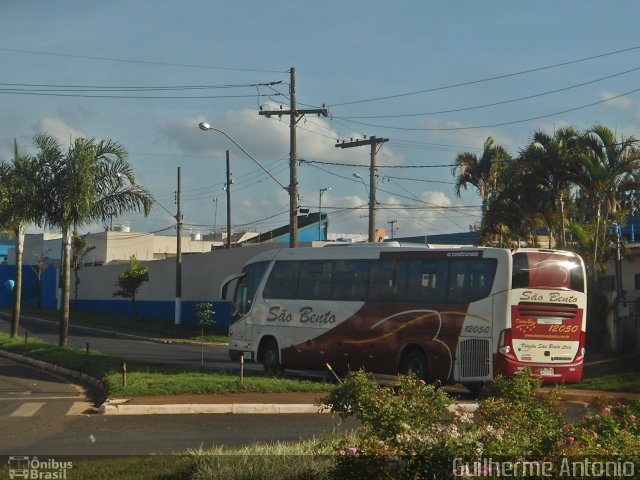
{"x": 405, "y": 434}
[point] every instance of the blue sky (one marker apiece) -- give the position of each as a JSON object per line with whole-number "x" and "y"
{"x": 55, "y": 55}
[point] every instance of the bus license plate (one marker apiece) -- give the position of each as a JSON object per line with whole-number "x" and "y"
{"x": 546, "y": 372}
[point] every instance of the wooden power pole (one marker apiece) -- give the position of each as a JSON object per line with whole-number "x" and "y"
{"x": 294, "y": 118}
{"x": 373, "y": 176}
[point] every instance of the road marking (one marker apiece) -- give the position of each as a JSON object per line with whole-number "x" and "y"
{"x": 78, "y": 408}
{"x": 27, "y": 409}
{"x": 36, "y": 397}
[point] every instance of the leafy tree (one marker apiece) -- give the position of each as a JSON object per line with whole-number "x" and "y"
{"x": 552, "y": 166}
{"x": 80, "y": 250}
{"x": 481, "y": 173}
{"x": 205, "y": 316}
{"x": 130, "y": 281}
{"x": 42, "y": 263}
{"x": 608, "y": 167}
{"x": 18, "y": 208}
{"x": 89, "y": 182}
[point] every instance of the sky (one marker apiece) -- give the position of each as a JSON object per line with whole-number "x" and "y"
{"x": 434, "y": 78}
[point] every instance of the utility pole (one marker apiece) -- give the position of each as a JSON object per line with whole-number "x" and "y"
{"x": 294, "y": 117}
{"x": 393, "y": 225}
{"x": 228, "y": 190}
{"x": 178, "y": 304}
{"x": 373, "y": 176}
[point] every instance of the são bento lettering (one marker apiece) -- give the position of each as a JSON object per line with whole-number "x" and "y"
{"x": 304, "y": 315}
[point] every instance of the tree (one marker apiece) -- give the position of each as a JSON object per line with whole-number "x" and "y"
{"x": 481, "y": 173}
{"x": 205, "y": 316}
{"x": 130, "y": 281}
{"x": 19, "y": 185}
{"x": 90, "y": 182}
{"x": 42, "y": 263}
{"x": 80, "y": 250}
{"x": 608, "y": 168}
{"x": 552, "y": 167}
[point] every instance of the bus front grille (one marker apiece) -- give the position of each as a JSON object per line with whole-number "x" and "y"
{"x": 474, "y": 360}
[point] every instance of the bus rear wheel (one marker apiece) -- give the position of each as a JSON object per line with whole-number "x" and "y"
{"x": 414, "y": 362}
{"x": 271, "y": 357}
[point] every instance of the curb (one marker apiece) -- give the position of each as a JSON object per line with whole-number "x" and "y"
{"x": 94, "y": 382}
{"x": 109, "y": 408}
{"x": 119, "y": 407}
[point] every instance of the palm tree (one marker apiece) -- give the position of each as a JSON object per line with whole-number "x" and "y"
{"x": 608, "y": 168}
{"x": 90, "y": 182}
{"x": 18, "y": 209}
{"x": 551, "y": 162}
{"x": 481, "y": 173}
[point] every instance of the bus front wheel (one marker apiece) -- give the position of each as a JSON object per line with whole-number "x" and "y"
{"x": 271, "y": 357}
{"x": 414, "y": 362}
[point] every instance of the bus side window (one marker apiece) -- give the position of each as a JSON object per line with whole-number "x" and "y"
{"x": 315, "y": 280}
{"x": 382, "y": 282}
{"x": 427, "y": 281}
{"x": 349, "y": 281}
{"x": 470, "y": 280}
{"x": 282, "y": 281}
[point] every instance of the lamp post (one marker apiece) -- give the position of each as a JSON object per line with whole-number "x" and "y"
{"x": 322, "y": 190}
{"x": 204, "y": 126}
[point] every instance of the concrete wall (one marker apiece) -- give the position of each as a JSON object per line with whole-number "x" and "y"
{"x": 202, "y": 276}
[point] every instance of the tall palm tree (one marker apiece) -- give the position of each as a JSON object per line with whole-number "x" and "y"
{"x": 18, "y": 209}
{"x": 481, "y": 173}
{"x": 90, "y": 182}
{"x": 551, "y": 162}
{"x": 608, "y": 168}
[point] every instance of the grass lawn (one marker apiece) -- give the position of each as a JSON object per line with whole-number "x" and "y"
{"x": 614, "y": 374}
{"x": 144, "y": 379}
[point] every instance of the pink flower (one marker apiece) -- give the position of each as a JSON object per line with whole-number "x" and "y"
{"x": 632, "y": 418}
{"x": 606, "y": 411}
{"x": 570, "y": 439}
{"x": 421, "y": 382}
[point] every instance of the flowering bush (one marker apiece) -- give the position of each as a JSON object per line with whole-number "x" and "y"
{"x": 408, "y": 433}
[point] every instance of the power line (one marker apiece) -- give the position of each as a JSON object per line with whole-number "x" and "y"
{"x": 494, "y": 104}
{"x": 488, "y": 79}
{"x": 502, "y": 124}
{"x": 143, "y": 62}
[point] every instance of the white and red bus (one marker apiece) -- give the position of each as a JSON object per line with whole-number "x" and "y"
{"x": 458, "y": 315}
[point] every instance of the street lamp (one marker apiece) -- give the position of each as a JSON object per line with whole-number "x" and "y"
{"x": 204, "y": 126}
{"x": 322, "y": 190}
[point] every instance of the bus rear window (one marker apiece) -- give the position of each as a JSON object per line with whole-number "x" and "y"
{"x": 546, "y": 270}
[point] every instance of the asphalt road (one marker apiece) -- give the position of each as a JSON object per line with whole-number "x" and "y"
{"x": 43, "y": 414}
{"x": 184, "y": 355}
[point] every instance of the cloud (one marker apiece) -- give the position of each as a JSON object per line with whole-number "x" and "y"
{"x": 267, "y": 138}
{"x": 614, "y": 100}
{"x": 58, "y": 129}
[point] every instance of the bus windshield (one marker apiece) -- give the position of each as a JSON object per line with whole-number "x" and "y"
{"x": 547, "y": 270}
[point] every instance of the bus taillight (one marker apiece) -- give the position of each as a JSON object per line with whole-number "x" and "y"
{"x": 505, "y": 346}
{"x": 581, "y": 350}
